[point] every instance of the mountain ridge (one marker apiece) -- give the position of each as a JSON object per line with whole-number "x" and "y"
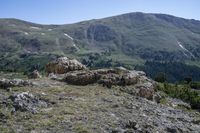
{"x": 134, "y": 37}
{"x": 13, "y": 18}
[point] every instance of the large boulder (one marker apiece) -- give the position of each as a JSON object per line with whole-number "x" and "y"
{"x": 26, "y": 101}
{"x": 63, "y": 65}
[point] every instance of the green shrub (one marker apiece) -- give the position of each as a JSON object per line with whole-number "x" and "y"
{"x": 188, "y": 79}
{"x": 160, "y": 77}
{"x": 195, "y": 85}
{"x": 183, "y": 92}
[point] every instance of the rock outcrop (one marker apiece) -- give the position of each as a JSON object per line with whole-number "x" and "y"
{"x": 142, "y": 86}
{"x": 63, "y": 65}
{"x": 82, "y": 77}
{"x": 107, "y": 77}
{"x": 75, "y": 73}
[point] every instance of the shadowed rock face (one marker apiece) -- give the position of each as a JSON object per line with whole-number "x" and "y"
{"x": 63, "y": 65}
{"x": 100, "y": 33}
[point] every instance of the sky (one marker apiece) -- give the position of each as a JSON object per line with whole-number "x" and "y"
{"x": 71, "y": 11}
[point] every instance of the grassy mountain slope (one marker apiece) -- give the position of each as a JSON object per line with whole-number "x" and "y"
{"x": 128, "y": 39}
{"x": 148, "y": 36}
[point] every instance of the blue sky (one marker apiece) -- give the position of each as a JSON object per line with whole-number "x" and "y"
{"x": 70, "y": 11}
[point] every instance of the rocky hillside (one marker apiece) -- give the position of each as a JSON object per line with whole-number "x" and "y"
{"x": 134, "y": 37}
{"x": 76, "y": 99}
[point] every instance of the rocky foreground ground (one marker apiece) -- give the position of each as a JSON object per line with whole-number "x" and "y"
{"x": 107, "y": 102}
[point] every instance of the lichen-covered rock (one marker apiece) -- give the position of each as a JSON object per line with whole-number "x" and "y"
{"x": 81, "y": 77}
{"x": 6, "y": 83}
{"x": 146, "y": 90}
{"x": 26, "y": 101}
{"x": 110, "y": 79}
{"x": 130, "y": 78}
{"x": 105, "y": 71}
{"x": 107, "y": 77}
{"x": 63, "y": 65}
{"x": 117, "y": 76}
{"x": 142, "y": 86}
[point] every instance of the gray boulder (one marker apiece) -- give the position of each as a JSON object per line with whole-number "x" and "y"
{"x": 26, "y": 101}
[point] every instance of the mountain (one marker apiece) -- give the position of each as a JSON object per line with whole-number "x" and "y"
{"x": 65, "y": 95}
{"x": 128, "y": 40}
